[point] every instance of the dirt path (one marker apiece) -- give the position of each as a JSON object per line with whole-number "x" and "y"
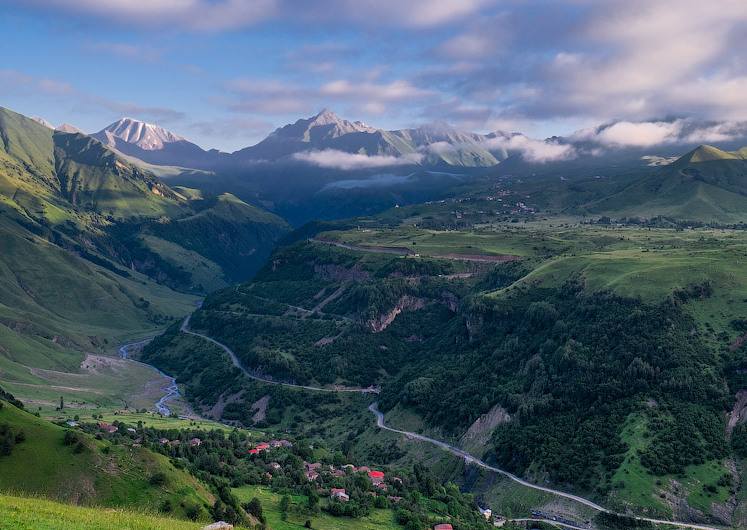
{"x": 480, "y": 258}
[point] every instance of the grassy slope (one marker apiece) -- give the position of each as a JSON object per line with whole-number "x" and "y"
{"x": 379, "y": 519}
{"x": 706, "y": 184}
{"x": 100, "y": 474}
{"x": 42, "y": 514}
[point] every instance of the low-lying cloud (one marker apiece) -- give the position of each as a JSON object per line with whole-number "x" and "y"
{"x": 539, "y": 151}
{"x": 653, "y": 133}
{"x": 334, "y": 159}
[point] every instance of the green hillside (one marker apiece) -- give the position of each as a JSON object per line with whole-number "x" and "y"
{"x": 611, "y": 351}
{"x": 35, "y": 512}
{"x": 705, "y": 185}
{"x": 68, "y": 466}
{"x": 95, "y": 251}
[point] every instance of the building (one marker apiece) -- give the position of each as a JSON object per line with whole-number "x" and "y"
{"x": 377, "y": 477}
{"x": 444, "y": 526}
{"x": 339, "y": 495}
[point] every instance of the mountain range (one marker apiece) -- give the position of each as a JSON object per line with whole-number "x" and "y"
{"x": 591, "y": 357}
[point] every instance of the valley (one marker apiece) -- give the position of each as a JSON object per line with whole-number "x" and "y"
{"x": 542, "y": 346}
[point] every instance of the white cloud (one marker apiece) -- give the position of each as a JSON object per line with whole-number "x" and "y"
{"x": 220, "y": 15}
{"x": 192, "y": 15}
{"x": 334, "y": 159}
{"x": 641, "y": 134}
{"x": 532, "y": 150}
{"x": 398, "y": 90}
{"x": 653, "y": 133}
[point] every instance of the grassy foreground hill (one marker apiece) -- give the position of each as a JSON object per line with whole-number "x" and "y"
{"x": 68, "y": 466}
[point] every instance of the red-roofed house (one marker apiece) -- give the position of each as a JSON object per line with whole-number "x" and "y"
{"x": 253, "y": 451}
{"x": 338, "y": 494}
{"x": 377, "y": 477}
{"x": 443, "y": 526}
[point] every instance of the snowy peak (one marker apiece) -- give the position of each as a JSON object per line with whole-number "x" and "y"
{"x": 324, "y": 126}
{"x": 146, "y": 136}
{"x": 43, "y": 122}
{"x": 70, "y": 129}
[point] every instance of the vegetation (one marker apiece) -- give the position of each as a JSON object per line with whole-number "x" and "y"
{"x": 68, "y": 466}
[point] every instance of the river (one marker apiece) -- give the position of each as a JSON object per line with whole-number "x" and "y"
{"x": 172, "y": 392}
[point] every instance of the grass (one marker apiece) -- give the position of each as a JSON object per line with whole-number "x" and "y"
{"x": 379, "y": 519}
{"x": 635, "y": 488}
{"x": 97, "y": 473}
{"x": 41, "y": 514}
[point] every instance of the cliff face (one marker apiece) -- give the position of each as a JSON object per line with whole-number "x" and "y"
{"x": 405, "y": 303}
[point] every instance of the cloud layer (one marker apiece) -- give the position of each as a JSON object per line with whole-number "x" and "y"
{"x": 542, "y": 67}
{"x": 333, "y": 159}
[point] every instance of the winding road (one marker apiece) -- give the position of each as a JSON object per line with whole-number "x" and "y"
{"x": 246, "y": 372}
{"x": 458, "y": 452}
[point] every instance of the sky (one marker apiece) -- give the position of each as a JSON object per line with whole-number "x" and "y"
{"x": 225, "y": 73}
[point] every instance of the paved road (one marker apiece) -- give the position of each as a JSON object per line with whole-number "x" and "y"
{"x": 237, "y": 364}
{"x": 459, "y": 452}
{"x": 472, "y": 459}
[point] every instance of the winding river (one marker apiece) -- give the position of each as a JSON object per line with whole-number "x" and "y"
{"x": 172, "y": 392}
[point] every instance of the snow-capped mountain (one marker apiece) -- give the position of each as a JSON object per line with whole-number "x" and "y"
{"x": 151, "y": 143}
{"x": 146, "y": 136}
{"x": 43, "y": 122}
{"x": 70, "y": 129}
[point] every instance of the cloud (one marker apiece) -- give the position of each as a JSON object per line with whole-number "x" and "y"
{"x": 655, "y": 133}
{"x": 532, "y": 150}
{"x": 333, "y": 159}
{"x": 221, "y": 15}
{"x": 273, "y": 96}
{"x": 17, "y": 82}
{"x": 630, "y": 134}
{"x": 184, "y": 15}
{"x": 397, "y": 90}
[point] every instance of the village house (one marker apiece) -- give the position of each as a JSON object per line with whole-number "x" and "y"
{"x": 311, "y": 467}
{"x": 195, "y": 442}
{"x": 312, "y": 475}
{"x": 108, "y": 428}
{"x": 443, "y": 526}
{"x": 377, "y": 477}
{"x": 274, "y": 465}
{"x": 338, "y": 494}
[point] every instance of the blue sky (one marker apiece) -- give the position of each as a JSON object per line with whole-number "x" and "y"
{"x": 225, "y": 73}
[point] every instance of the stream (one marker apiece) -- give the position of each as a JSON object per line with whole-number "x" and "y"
{"x": 172, "y": 391}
